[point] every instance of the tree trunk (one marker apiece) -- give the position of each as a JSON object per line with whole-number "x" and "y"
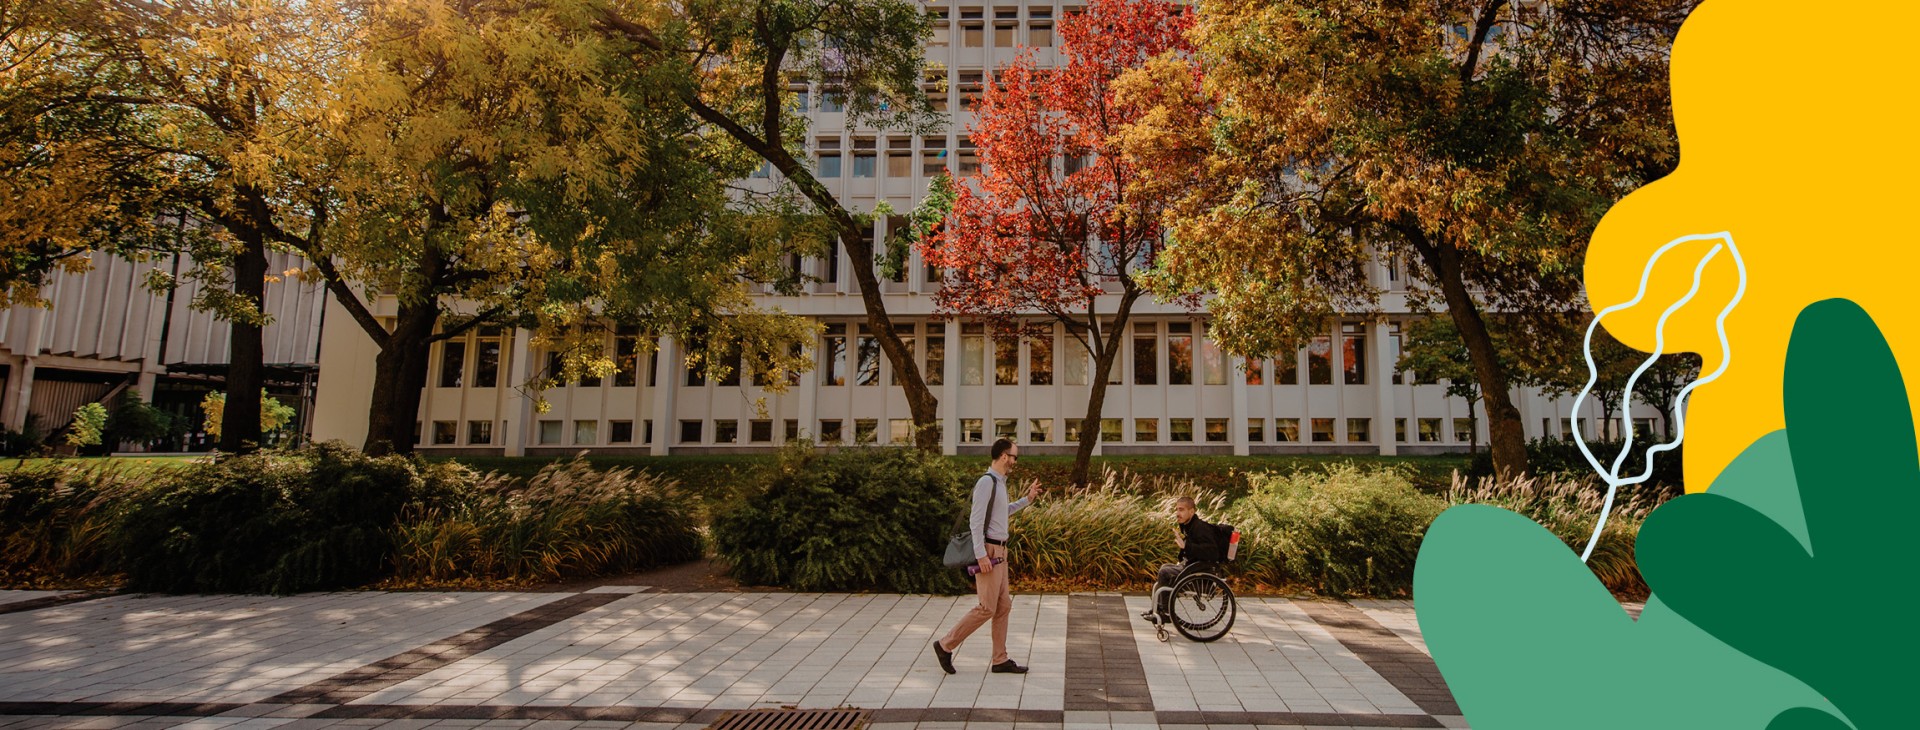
{"x": 399, "y": 379}
{"x": 1105, "y": 355}
{"x": 1473, "y": 431}
{"x": 921, "y": 403}
{"x": 246, "y": 356}
{"x": 1506, "y": 436}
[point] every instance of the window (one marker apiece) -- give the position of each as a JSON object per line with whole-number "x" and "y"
{"x": 866, "y": 430}
{"x": 933, "y": 151}
{"x": 833, "y": 363}
{"x": 1286, "y": 369}
{"x": 765, "y": 170}
{"x": 1256, "y": 430}
{"x": 445, "y": 432}
{"x": 1400, "y": 430}
{"x": 550, "y": 432}
{"x": 1393, "y": 353}
{"x": 801, "y": 100}
{"x": 646, "y": 432}
{"x": 863, "y": 164}
{"x": 972, "y": 30}
{"x": 1359, "y": 430}
{"x": 1256, "y": 372}
{"x": 1320, "y": 361}
{"x": 1040, "y": 28}
{"x": 900, "y": 157}
{"x": 689, "y": 432}
{"x": 833, "y": 100}
{"x": 936, "y": 356}
{"x": 760, "y": 431}
{"x": 1075, "y": 163}
{"x": 867, "y": 366}
{"x": 970, "y": 431}
{"x": 1110, "y": 430}
{"x": 969, "y": 159}
{"x": 1429, "y": 430}
{"x": 1006, "y": 360}
{"x": 586, "y": 433}
{"x": 1286, "y": 429}
{"x": 479, "y": 432}
{"x": 1146, "y": 354}
{"x": 830, "y": 432}
{"x": 453, "y": 362}
{"x": 486, "y": 364}
{"x": 729, "y": 356}
{"x": 1213, "y": 362}
{"x": 831, "y": 267}
{"x": 1073, "y": 430}
{"x": 1074, "y": 361}
{"x": 973, "y": 354}
{"x": 942, "y": 31}
{"x": 1643, "y": 428}
{"x": 1217, "y": 431}
{"x": 1006, "y": 428}
{"x": 1146, "y": 430}
{"x": 1040, "y": 360}
{"x": 1353, "y": 354}
{"x": 906, "y": 334}
{"x": 828, "y": 166}
{"x": 1179, "y": 353}
{"x": 900, "y": 431}
{"x": 1180, "y": 430}
{"x": 1040, "y": 430}
{"x": 1323, "y": 430}
{"x": 626, "y": 360}
{"x": 619, "y": 432}
{"x": 653, "y": 369}
{"x": 1006, "y": 25}
{"x": 1566, "y": 429}
{"x": 726, "y": 431}
{"x": 1463, "y": 429}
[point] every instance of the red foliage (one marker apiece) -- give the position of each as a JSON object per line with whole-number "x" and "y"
{"x": 1024, "y": 234}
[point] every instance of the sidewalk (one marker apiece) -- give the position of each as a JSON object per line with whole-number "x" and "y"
{"x": 632, "y": 657}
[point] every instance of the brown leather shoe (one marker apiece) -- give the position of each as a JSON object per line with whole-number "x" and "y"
{"x": 1008, "y": 667}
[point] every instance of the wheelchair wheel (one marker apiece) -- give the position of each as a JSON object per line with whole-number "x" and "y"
{"x": 1203, "y": 607}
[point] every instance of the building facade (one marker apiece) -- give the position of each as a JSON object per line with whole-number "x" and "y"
{"x": 1174, "y": 391}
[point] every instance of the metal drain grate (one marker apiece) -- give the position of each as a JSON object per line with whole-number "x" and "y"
{"x": 788, "y": 719}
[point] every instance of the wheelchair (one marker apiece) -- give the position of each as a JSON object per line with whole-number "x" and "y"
{"x": 1198, "y": 602}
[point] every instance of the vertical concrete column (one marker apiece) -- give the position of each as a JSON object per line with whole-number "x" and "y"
{"x": 1236, "y": 365}
{"x": 1383, "y": 406}
{"x": 514, "y": 434}
{"x": 669, "y": 380}
{"x": 950, "y": 391}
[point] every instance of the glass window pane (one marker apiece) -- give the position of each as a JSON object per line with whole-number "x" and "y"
{"x": 830, "y": 431}
{"x": 899, "y": 165}
{"x": 486, "y": 364}
{"x": 1320, "y": 361}
{"x": 619, "y": 432}
{"x": 900, "y": 431}
{"x": 866, "y": 430}
{"x": 1146, "y": 430}
{"x": 970, "y": 431}
{"x": 973, "y": 359}
{"x": 1353, "y": 358}
{"x": 1286, "y": 369}
{"x": 1429, "y": 430}
{"x": 833, "y": 364}
{"x": 1006, "y": 361}
{"x": 550, "y": 432}
{"x": 1040, "y": 361}
{"x": 1256, "y": 430}
{"x": 586, "y": 433}
{"x": 444, "y": 432}
{"x": 1179, "y": 359}
{"x": 626, "y": 361}
{"x": 690, "y": 432}
{"x": 453, "y": 363}
{"x": 1180, "y": 430}
{"x": 1110, "y": 430}
{"x": 1400, "y": 430}
{"x": 1146, "y": 356}
{"x": 760, "y": 431}
{"x": 863, "y": 165}
{"x": 1074, "y": 364}
{"x": 1256, "y": 372}
{"x": 1040, "y": 430}
{"x": 726, "y": 431}
{"x": 479, "y": 432}
{"x": 936, "y": 359}
{"x": 1214, "y": 362}
{"x": 829, "y": 166}
{"x": 1217, "y": 431}
{"x": 1286, "y": 429}
{"x": 1464, "y": 430}
{"x": 867, "y": 370}
{"x": 1006, "y": 428}
{"x": 1359, "y": 430}
{"x": 1323, "y": 430}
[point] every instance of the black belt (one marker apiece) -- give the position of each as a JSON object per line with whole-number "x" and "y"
{"x": 1001, "y": 543}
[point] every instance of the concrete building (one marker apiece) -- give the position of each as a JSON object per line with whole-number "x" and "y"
{"x": 105, "y": 333}
{"x": 1176, "y": 392}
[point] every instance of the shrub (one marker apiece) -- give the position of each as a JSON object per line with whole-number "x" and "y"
{"x": 566, "y": 521}
{"x": 1569, "y": 508}
{"x": 134, "y": 421}
{"x": 278, "y": 522}
{"x": 855, "y": 519}
{"x": 1345, "y": 531}
{"x": 89, "y": 425}
{"x": 1114, "y": 533}
{"x": 57, "y": 520}
{"x": 1555, "y": 458}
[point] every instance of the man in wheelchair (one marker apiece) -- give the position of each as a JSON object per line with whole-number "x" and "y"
{"x": 1200, "y": 546}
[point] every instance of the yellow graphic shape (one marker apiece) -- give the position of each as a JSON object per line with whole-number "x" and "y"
{"x": 1799, "y": 139}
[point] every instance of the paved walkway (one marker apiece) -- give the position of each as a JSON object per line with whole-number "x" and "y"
{"x": 632, "y": 657}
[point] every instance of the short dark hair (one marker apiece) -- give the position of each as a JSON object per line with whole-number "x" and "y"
{"x": 1000, "y": 446}
{"x": 1185, "y": 502}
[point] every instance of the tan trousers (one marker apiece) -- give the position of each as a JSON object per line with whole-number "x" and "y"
{"x": 996, "y": 603}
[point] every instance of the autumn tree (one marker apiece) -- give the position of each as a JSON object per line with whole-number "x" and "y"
{"x": 199, "y": 104}
{"x": 493, "y": 167}
{"x": 1481, "y": 141}
{"x": 1053, "y": 225}
{"x": 737, "y": 60}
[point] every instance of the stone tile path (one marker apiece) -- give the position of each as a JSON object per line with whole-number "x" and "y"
{"x": 631, "y": 657}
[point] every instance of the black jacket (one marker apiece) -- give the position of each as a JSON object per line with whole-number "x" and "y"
{"x": 1203, "y": 541}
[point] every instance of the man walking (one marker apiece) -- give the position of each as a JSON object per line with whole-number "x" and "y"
{"x": 989, "y": 525}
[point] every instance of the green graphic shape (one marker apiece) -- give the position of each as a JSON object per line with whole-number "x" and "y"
{"x": 1826, "y": 599}
{"x": 1763, "y": 586}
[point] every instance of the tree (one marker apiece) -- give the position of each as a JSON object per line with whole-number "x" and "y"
{"x": 1480, "y": 141}
{"x": 203, "y": 103}
{"x": 1661, "y": 384}
{"x": 737, "y": 60}
{"x": 1053, "y": 219}
{"x": 609, "y": 205}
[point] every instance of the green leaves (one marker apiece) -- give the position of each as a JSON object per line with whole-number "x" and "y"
{"x": 1742, "y": 629}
